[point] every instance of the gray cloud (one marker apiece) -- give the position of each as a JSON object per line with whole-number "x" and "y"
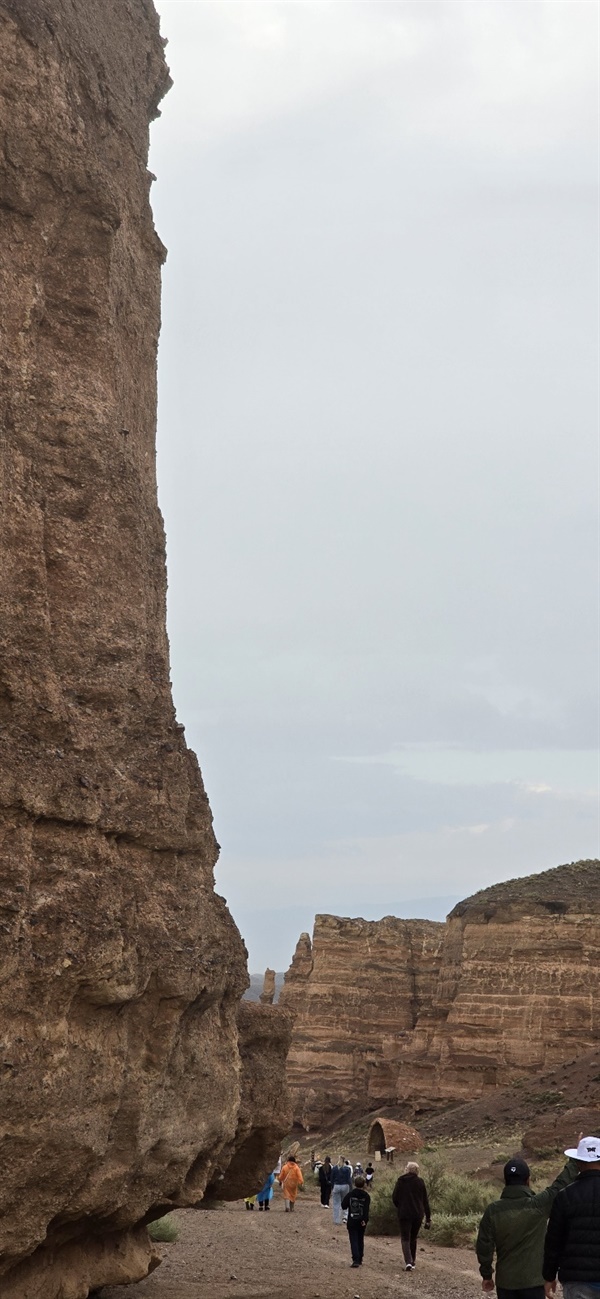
{"x": 377, "y": 434}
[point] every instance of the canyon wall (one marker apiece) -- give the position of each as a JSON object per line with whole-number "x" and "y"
{"x": 517, "y": 992}
{"x": 355, "y": 993}
{"x": 126, "y": 1079}
{"x": 421, "y": 1015}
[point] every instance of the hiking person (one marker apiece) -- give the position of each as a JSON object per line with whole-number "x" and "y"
{"x": 513, "y": 1228}
{"x": 412, "y": 1205}
{"x": 290, "y": 1179}
{"x": 265, "y": 1195}
{"x": 325, "y": 1174}
{"x": 341, "y": 1181}
{"x": 572, "y": 1245}
{"x": 356, "y": 1204}
{"x": 369, "y": 1174}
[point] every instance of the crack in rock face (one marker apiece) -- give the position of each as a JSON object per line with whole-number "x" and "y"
{"x": 121, "y": 1070}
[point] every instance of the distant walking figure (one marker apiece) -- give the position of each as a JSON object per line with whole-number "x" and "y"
{"x": 290, "y": 1179}
{"x": 325, "y": 1173}
{"x": 265, "y": 1195}
{"x": 412, "y": 1205}
{"x": 356, "y": 1204}
{"x": 341, "y": 1178}
{"x": 369, "y": 1175}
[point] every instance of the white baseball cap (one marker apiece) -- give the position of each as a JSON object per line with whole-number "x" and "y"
{"x": 588, "y": 1151}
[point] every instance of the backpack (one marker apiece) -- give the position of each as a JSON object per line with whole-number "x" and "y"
{"x": 355, "y": 1209}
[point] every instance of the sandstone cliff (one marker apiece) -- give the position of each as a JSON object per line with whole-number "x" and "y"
{"x": 411, "y": 1013}
{"x": 121, "y": 969}
{"x": 355, "y": 993}
{"x": 517, "y": 991}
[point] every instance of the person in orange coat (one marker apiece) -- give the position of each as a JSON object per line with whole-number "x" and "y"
{"x": 290, "y": 1178}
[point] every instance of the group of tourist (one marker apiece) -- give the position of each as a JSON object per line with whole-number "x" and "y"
{"x": 534, "y": 1239}
{"x": 350, "y": 1201}
{"x": 289, "y": 1176}
{"x": 335, "y": 1181}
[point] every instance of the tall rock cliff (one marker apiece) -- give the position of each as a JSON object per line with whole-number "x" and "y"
{"x": 121, "y": 970}
{"x": 422, "y": 1015}
{"x": 355, "y": 994}
{"x": 518, "y": 990}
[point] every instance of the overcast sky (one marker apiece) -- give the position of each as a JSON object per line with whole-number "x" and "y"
{"x": 378, "y": 444}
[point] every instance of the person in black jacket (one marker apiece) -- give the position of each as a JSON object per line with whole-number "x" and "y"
{"x": 412, "y": 1205}
{"x": 325, "y": 1172}
{"x": 572, "y": 1245}
{"x": 356, "y": 1204}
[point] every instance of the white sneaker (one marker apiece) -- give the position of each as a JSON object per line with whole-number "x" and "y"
{"x": 410, "y": 1267}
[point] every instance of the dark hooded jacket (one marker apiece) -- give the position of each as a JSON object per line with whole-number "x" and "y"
{"x": 572, "y": 1245}
{"x": 410, "y": 1198}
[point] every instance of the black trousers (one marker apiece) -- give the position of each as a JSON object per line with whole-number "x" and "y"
{"x": 326, "y": 1193}
{"x": 356, "y": 1233}
{"x": 409, "y": 1230}
{"x": 531, "y": 1292}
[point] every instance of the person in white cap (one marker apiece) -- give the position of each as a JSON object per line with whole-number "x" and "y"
{"x": 572, "y": 1245}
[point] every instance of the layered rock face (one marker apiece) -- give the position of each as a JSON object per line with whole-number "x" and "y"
{"x": 121, "y": 970}
{"x": 423, "y": 1015}
{"x": 356, "y": 993}
{"x": 518, "y": 990}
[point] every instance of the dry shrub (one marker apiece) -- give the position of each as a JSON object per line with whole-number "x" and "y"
{"x": 163, "y": 1230}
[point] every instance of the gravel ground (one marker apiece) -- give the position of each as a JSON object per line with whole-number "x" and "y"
{"x": 229, "y": 1253}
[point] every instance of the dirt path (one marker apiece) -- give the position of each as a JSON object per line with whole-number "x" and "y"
{"x": 230, "y": 1253}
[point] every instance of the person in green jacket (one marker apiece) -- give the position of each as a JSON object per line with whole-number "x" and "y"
{"x": 514, "y": 1228}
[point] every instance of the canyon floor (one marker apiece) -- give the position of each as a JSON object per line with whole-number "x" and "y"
{"x": 230, "y": 1253}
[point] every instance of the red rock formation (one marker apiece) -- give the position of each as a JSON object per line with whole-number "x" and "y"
{"x": 268, "y": 990}
{"x": 265, "y": 1112}
{"x": 560, "y": 1131}
{"x": 517, "y": 989}
{"x": 355, "y": 995}
{"x": 409, "y": 1012}
{"x": 121, "y": 969}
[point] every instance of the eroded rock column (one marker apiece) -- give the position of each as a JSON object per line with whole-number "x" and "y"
{"x": 121, "y": 970}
